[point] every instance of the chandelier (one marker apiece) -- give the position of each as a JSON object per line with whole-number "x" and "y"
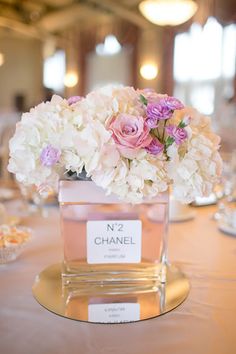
{"x": 168, "y": 12}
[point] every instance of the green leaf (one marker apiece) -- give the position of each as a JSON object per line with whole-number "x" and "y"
{"x": 143, "y": 100}
{"x": 70, "y": 173}
{"x": 182, "y": 124}
{"x": 149, "y": 182}
{"x": 169, "y": 141}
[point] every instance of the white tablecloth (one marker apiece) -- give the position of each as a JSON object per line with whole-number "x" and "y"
{"x": 204, "y": 324}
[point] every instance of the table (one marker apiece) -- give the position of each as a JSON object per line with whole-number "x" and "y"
{"x": 204, "y": 324}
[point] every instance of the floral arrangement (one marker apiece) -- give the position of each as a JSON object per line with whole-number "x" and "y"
{"x": 133, "y": 143}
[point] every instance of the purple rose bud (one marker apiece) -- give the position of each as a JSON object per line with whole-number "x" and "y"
{"x": 151, "y": 122}
{"x": 155, "y": 147}
{"x": 49, "y": 156}
{"x": 73, "y": 99}
{"x": 158, "y": 111}
{"x": 172, "y": 103}
{"x": 177, "y": 133}
{"x": 187, "y": 120}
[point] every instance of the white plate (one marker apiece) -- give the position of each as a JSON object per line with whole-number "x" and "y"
{"x": 227, "y": 229}
{"x": 184, "y": 217}
{"x": 202, "y": 201}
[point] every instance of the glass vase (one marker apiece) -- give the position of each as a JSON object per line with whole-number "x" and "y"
{"x": 111, "y": 246}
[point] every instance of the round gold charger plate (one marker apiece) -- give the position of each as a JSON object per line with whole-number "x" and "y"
{"x": 104, "y": 308}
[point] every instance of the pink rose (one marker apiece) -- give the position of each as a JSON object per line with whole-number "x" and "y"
{"x": 130, "y": 134}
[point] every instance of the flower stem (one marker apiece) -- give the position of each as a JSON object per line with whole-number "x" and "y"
{"x": 163, "y": 133}
{"x": 156, "y": 133}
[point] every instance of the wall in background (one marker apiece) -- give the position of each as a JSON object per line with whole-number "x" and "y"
{"x": 150, "y": 51}
{"x": 113, "y": 69}
{"x": 21, "y": 73}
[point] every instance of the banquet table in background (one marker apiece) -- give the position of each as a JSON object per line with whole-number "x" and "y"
{"x": 204, "y": 324}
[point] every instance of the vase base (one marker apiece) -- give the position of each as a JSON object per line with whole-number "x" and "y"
{"x": 113, "y": 278}
{"x": 102, "y": 305}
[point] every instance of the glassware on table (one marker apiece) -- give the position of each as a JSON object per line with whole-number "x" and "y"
{"x": 12, "y": 242}
{"x": 109, "y": 243}
{"x": 226, "y": 189}
{"x": 32, "y": 201}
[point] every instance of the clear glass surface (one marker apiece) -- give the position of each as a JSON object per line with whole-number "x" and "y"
{"x": 133, "y": 260}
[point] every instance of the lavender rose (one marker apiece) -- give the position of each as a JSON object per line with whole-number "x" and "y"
{"x": 152, "y": 122}
{"x": 172, "y": 103}
{"x": 158, "y": 111}
{"x": 161, "y": 109}
{"x": 151, "y": 96}
{"x": 177, "y": 133}
{"x": 49, "y": 156}
{"x": 155, "y": 147}
{"x": 73, "y": 99}
{"x": 130, "y": 134}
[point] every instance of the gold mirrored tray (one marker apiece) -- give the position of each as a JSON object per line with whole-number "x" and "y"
{"x": 99, "y": 307}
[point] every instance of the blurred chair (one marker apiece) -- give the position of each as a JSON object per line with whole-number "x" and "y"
{"x": 6, "y": 133}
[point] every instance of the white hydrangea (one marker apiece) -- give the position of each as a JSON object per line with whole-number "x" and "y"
{"x": 45, "y": 124}
{"x": 80, "y": 137}
{"x": 135, "y": 180}
{"x": 196, "y": 173}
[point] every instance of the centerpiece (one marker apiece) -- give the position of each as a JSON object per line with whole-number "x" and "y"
{"x": 113, "y": 155}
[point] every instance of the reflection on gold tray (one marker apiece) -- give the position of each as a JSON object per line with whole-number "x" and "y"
{"x": 99, "y": 307}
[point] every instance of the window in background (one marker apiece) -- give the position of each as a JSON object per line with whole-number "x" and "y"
{"x": 204, "y": 65}
{"x": 54, "y": 71}
{"x": 109, "y": 64}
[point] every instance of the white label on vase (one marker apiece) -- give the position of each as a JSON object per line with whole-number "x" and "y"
{"x": 114, "y": 313}
{"x": 114, "y": 241}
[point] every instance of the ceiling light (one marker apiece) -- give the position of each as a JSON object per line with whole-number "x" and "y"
{"x": 110, "y": 46}
{"x": 168, "y": 12}
{"x": 71, "y": 79}
{"x": 1, "y": 59}
{"x": 149, "y": 71}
